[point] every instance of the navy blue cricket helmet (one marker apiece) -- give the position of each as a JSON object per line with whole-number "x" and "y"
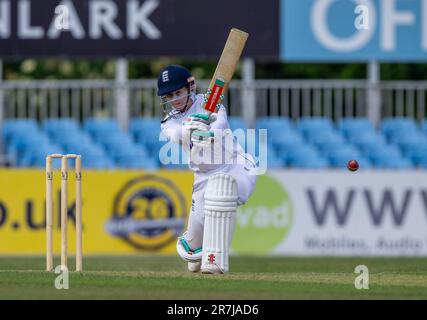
{"x": 172, "y": 78}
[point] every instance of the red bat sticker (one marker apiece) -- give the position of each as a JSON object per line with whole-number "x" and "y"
{"x": 215, "y": 96}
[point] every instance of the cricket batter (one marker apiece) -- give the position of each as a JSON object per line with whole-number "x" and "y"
{"x": 219, "y": 186}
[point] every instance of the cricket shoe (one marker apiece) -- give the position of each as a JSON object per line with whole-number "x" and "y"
{"x": 194, "y": 266}
{"x": 193, "y": 257}
{"x": 212, "y": 269}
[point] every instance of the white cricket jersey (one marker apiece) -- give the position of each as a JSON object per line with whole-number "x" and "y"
{"x": 232, "y": 151}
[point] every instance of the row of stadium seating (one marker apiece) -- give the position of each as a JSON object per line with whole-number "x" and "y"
{"x": 399, "y": 143}
{"x": 101, "y": 143}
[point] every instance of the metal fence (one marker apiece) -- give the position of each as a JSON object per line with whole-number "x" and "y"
{"x": 51, "y": 99}
{"x": 404, "y": 98}
{"x": 81, "y": 99}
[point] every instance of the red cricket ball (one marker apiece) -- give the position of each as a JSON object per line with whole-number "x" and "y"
{"x": 352, "y": 165}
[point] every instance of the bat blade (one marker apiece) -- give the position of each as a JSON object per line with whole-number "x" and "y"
{"x": 225, "y": 69}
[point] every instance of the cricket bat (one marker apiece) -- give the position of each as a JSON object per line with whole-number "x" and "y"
{"x": 225, "y": 69}
{"x": 221, "y": 79}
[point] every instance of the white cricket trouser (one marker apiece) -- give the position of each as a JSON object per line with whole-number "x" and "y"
{"x": 196, "y": 220}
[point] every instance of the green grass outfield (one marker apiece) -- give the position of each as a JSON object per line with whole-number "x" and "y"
{"x": 165, "y": 277}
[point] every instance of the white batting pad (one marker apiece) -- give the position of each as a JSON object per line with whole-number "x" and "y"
{"x": 220, "y": 213}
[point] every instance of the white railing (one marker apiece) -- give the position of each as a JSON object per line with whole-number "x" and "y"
{"x": 291, "y": 98}
{"x": 404, "y": 98}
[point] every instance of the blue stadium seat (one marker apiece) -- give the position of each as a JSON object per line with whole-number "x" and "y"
{"x": 60, "y": 127}
{"x": 310, "y": 126}
{"x": 12, "y": 126}
{"x": 237, "y": 123}
{"x": 379, "y": 154}
{"x": 149, "y": 136}
{"x": 417, "y": 154}
{"x": 100, "y": 128}
{"x": 285, "y": 140}
{"x": 67, "y": 136}
{"x": 117, "y": 142}
{"x": 386, "y": 162}
{"x": 298, "y": 154}
{"x": 100, "y": 136}
{"x": 368, "y": 141}
{"x": 310, "y": 163}
{"x": 285, "y": 149}
{"x": 18, "y": 131}
{"x": 398, "y": 126}
{"x": 312, "y": 143}
{"x": 424, "y": 127}
{"x": 339, "y": 157}
{"x": 13, "y": 123}
{"x": 138, "y": 126}
{"x": 327, "y": 148}
{"x": 328, "y": 141}
{"x": 396, "y": 136}
{"x": 353, "y": 127}
{"x": 275, "y": 125}
{"x": 19, "y": 145}
{"x": 323, "y": 138}
{"x": 122, "y": 155}
{"x": 154, "y": 148}
{"x": 114, "y": 148}
{"x": 83, "y": 148}
{"x": 37, "y": 157}
{"x": 76, "y": 142}
{"x": 97, "y": 161}
{"x": 151, "y": 141}
{"x": 368, "y": 144}
{"x": 410, "y": 140}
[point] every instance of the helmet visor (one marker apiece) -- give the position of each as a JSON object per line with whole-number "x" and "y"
{"x": 177, "y": 101}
